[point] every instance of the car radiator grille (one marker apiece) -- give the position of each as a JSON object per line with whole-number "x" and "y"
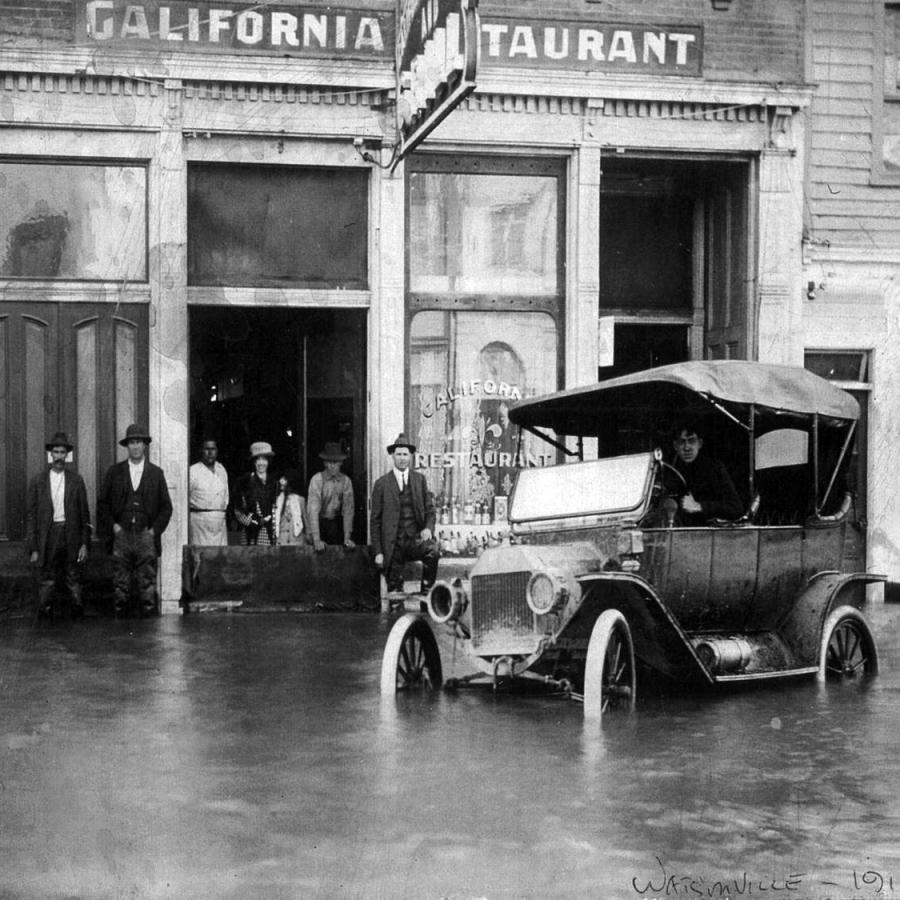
{"x": 499, "y": 610}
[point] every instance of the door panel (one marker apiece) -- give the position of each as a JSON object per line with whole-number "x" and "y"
{"x": 58, "y": 371}
{"x": 727, "y": 278}
{"x": 30, "y": 402}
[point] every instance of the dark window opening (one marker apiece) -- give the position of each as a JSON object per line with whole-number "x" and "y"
{"x": 277, "y": 226}
{"x": 292, "y": 377}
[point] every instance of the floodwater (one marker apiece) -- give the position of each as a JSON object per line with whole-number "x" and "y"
{"x": 251, "y": 756}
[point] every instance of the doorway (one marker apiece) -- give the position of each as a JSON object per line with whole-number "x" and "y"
{"x": 292, "y": 377}
{"x": 676, "y": 259}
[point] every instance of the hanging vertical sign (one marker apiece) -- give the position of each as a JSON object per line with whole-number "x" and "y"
{"x": 436, "y": 62}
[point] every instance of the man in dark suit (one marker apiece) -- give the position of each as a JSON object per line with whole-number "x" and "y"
{"x": 133, "y": 510}
{"x": 58, "y": 527}
{"x": 402, "y": 521}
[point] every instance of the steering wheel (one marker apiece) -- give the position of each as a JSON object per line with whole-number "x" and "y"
{"x": 664, "y": 465}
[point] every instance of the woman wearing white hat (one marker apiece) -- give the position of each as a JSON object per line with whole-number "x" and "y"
{"x": 255, "y": 495}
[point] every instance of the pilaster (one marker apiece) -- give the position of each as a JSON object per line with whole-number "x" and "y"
{"x": 387, "y": 337}
{"x": 169, "y": 332}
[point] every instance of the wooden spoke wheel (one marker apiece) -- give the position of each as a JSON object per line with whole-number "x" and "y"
{"x": 411, "y": 657}
{"x": 848, "y": 648}
{"x": 610, "y": 683}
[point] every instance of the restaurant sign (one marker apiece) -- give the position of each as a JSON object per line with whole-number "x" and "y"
{"x": 436, "y": 44}
{"x": 436, "y": 64}
{"x": 223, "y": 27}
{"x": 658, "y": 49}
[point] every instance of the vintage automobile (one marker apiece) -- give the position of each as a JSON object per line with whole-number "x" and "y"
{"x": 600, "y": 587}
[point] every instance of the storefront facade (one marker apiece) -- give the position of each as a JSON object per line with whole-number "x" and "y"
{"x": 207, "y": 232}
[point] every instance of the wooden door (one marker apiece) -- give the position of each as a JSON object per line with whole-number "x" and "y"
{"x": 728, "y": 280}
{"x": 77, "y": 367}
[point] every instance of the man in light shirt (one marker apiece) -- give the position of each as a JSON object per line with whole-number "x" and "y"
{"x": 330, "y": 502}
{"x": 58, "y": 528}
{"x": 208, "y": 499}
{"x": 134, "y": 510}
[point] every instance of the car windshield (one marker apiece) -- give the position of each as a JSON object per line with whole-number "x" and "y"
{"x": 600, "y": 486}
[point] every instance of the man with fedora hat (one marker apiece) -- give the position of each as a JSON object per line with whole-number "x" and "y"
{"x": 58, "y": 527}
{"x": 330, "y": 501}
{"x": 134, "y": 509}
{"x": 402, "y": 521}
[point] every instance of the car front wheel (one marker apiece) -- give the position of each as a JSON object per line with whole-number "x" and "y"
{"x": 610, "y": 683}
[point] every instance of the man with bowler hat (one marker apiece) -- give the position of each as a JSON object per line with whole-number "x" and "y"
{"x": 134, "y": 509}
{"x": 330, "y": 501}
{"x": 58, "y": 527}
{"x": 402, "y": 520}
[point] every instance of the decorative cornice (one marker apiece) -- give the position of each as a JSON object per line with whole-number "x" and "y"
{"x": 81, "y": 84}
{"x": 285, "y": 93}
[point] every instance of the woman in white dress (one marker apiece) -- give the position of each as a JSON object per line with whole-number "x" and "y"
{"x": 290, "y": 512}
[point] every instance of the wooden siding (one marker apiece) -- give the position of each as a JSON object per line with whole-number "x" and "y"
{"x": 844, "y": 206}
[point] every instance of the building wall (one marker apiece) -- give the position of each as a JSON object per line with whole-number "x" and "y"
{"x": 751, "y": 40}
{"x": 173, "y": 109}
{"x": 851, "y": 265}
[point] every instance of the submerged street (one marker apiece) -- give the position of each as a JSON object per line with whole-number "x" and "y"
{"x": 243, "y": 756}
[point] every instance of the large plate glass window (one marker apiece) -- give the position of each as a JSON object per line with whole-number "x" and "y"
{"x": 485, "y": 288}
{"x": 483, "y": 233}
{"x": 73, "y": 221}
{"x": 277, "y": 226}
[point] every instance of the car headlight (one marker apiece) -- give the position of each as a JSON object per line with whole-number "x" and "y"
{"x": 544, "y": 593}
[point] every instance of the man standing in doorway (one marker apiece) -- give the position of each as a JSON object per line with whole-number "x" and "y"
{"x": 330, "y": 501}
{"x": 208, "y": 499}
{"x": 58, "y": 527}
{"x": 134, "y": 509}
{"x": 402, "y": 521}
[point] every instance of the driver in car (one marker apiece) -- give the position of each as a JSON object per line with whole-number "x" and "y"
{"x": 702, "y": 485}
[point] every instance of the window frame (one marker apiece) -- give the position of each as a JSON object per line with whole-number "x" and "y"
{"x": 200, "y": 291}
{"x": 94, "y": 162}
{"x": 495, "y": 164}
{"x": 879, "y": 174}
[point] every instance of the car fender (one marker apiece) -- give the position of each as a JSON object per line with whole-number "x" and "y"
{"x": 802, "y": 626}
{"x": 660, "y": 643}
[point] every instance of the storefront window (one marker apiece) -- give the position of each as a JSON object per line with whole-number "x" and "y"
{"x": 277, "y": 226}
{"x": 483, "y": 233}
{"x": 467, "y": 371}
{"x": 73, "y": 221}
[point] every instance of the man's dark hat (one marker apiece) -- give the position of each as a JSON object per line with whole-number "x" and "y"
{"x": 60, "y": 439}
{"x": 332, "y": 452}
{"x": 402, "y": 441}
{"x": 135, "y": 433}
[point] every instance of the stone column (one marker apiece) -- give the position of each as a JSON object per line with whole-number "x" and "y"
{"x": 387, "y": 338}
{"x": 169, "y": 333}
{"x": 780, "y": 288}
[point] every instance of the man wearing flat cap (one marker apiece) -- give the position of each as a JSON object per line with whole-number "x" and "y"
{"x": 330, "y": 501}
{"x": 58, "y": 527}
{"x": 134, "y": 510}
{"x": 402, "y": 521}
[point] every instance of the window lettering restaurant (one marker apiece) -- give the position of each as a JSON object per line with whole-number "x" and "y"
{"x": 205, "y": 229}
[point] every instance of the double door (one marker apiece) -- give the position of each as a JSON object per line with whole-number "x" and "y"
{"x": 81, "y": 368}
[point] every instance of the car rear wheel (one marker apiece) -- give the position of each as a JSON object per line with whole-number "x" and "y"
{"x": 848, "y": 648}
{"x": 411, "y": 657}
{"x": 610, "y": 683}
